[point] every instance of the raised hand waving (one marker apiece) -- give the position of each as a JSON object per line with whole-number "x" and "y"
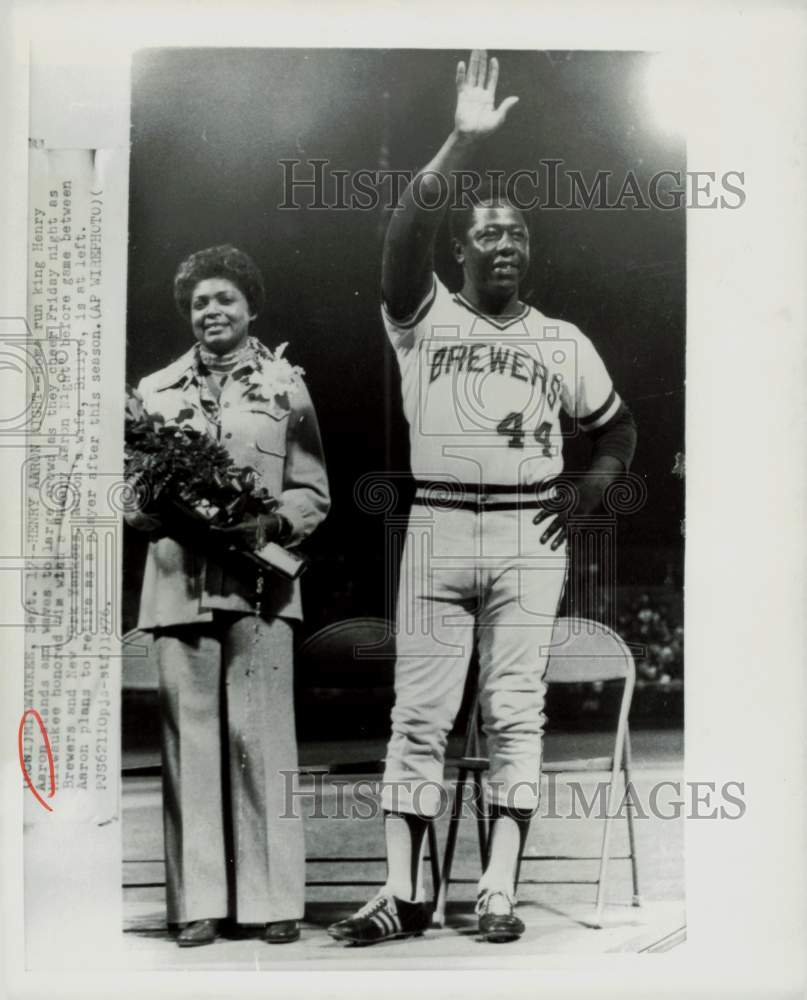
{"x": 475, "y": 115}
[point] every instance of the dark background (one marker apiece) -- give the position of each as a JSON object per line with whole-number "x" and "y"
{"x": 208, "y": 130}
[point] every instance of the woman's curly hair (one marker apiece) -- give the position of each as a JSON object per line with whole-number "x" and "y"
{"x": 225, "y": 261}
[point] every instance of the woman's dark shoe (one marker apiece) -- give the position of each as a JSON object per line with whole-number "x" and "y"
{"x": 282, "y": 932}
{"x": 198, "y": 932}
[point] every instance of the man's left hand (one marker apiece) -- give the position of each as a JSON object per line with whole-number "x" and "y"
{"x": 582, "y": 499}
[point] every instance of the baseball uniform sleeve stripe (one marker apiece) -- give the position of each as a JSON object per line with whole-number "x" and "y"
{"x": 603, "y": 413}
{"x": 616, "y": 438}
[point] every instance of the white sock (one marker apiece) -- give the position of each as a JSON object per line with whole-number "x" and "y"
{"x": 508, "y": 835}
{"x": 503, "y": 854}
{"x": 405, "y": 836}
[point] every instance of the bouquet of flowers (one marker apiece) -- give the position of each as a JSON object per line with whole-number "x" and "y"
{"x": 191, "y": 482}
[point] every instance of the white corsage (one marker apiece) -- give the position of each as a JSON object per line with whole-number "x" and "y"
{"x": 277, "y": 376}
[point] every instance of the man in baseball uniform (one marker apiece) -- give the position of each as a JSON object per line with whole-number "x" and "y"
{"x": 484, "y": 378}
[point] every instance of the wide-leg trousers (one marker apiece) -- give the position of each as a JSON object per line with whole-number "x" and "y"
{"x": 471, "y": 575}
{"x": 233, "y": 846}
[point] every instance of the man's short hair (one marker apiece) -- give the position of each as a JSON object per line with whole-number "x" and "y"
{"x": 224, "y": 261}
{"x": 461, "y": 218}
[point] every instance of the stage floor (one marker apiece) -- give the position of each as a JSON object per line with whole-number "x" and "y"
{"x": 558, "y": 917}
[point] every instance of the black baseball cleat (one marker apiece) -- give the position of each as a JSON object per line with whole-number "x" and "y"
{"x": 384, "y": 918}
{"x": 497, "y": 921}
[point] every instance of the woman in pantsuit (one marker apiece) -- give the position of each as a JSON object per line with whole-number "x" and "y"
{"x": 225, "y": 650}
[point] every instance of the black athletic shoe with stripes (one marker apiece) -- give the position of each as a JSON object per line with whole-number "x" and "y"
{"x": 383, "y": 919}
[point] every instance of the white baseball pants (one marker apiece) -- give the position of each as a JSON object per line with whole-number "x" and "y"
{"x": 468, "y": 573}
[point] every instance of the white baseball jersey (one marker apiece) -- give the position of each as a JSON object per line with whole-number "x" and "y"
{"x": 483, "y": 394}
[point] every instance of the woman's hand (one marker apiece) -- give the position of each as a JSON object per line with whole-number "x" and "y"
{"x": 475, "y": 116}
{"x": 143, "y": 521}
{"x": 141, "y": 510}
{"x": 254, "y": 532}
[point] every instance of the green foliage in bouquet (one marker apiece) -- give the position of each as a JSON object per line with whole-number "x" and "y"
{"x": 187, "y": 468}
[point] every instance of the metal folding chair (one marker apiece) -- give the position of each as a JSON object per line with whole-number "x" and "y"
{"x": 358, "y": 648}
{"x": 581, "y": 652}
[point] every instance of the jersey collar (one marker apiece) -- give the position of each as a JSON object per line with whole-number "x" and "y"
{"x": 500, "y": 324}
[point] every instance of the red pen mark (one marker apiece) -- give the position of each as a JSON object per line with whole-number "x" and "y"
{"x": 43, "y": 730}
